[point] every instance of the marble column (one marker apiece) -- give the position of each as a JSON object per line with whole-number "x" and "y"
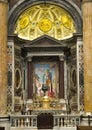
{"x": 87, "y": 43}
{"x": 61, "y": 76}
{"x": 30, "y": 78}
{"x": 3, "y": 57}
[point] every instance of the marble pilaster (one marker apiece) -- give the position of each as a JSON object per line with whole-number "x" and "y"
{"x": 87, "y": 41}
{"x": 3, "y": 57}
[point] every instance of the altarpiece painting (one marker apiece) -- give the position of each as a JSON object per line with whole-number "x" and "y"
{"x": 46, "y": 75}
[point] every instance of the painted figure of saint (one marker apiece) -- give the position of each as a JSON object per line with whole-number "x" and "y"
{"x": 38, "y": 85}
{"x": 47, "y": 81}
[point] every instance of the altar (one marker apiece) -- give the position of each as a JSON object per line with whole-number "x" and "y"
{"x": 46, "y": 105}
{"x": 45, "y": 72}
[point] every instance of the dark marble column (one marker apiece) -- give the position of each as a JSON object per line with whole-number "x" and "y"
{"x": 61, "y": 77}
{"x": 30, "y": 79}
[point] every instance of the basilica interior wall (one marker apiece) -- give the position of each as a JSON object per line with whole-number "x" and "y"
{"x": 17, "y": 92}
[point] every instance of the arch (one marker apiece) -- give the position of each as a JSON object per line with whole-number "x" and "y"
{"x": 69, "y": 6}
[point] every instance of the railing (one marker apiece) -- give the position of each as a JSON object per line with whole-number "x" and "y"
{"x": 86, "y": 120}
{"x": 31, "y": 121}
{"x": 23, "y": 121}
{"x": 66, "y": 120}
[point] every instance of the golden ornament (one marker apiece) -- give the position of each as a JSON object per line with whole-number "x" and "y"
{"x": 24, "y": 22}
{"x": 45, "y": 25}
{"x": 66, "y": 21}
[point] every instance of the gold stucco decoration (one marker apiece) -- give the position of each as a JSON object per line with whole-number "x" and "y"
{"x": 66, "y": 21}
{"x": 47, "y": 19}
{"x": 24, "y": 22}
{"x": 45, "y": 25}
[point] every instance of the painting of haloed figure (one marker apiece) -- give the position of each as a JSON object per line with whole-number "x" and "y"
{"x": 46, "y": 75}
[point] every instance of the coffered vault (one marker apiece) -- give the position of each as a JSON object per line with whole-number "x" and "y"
{"x": 46, "y": 19}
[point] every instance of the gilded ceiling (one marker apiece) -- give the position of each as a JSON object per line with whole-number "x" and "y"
{"x": 50, "y": 20}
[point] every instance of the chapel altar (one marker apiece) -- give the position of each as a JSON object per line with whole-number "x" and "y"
{"x": 45, "y": 65}
{"x": 43, "y": 57}
{"x": 46, "y": 60}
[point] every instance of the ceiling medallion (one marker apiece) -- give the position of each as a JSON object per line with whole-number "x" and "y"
{"x": 45, "y": 25}
{"x": 24, "y": 21}
{"x": 66, "y": 21}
